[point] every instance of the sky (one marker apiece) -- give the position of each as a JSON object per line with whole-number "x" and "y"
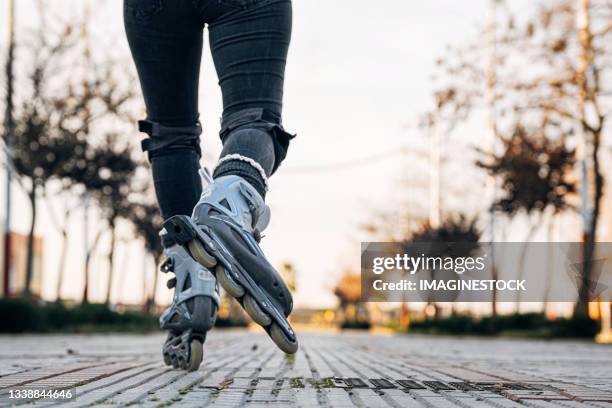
{"x": 358, "y": 76}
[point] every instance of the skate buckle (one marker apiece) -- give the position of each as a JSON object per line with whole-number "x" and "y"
{"x": 167, "y": 265}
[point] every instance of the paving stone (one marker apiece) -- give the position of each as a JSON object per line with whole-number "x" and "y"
{"x": 344, "y": 370}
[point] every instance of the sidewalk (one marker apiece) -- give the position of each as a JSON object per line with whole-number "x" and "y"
{"x": 343, "y": 370}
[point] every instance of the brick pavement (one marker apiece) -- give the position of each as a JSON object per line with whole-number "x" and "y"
{"x": 330, "y": 370}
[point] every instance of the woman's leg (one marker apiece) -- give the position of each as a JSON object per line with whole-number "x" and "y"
{"x": 249, "y": 46}
{"x": 165, "y": 38}
{"x": 249, "y": 41}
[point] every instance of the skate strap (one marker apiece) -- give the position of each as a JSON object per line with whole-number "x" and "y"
{"x": 162, "y": 138}
{"x": 205, "y": 175}
{"x": 261, "y": 214}
{"x": 263, "y": 220}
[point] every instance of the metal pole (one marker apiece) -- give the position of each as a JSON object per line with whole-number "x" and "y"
{"x": 434, "y": 180}
{"x": 86, "y": 247}
{"x": 9, "y": 127}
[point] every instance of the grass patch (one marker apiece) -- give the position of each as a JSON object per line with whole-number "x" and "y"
{"x": 327, "y": 382}
{"x": 296, "y": 382}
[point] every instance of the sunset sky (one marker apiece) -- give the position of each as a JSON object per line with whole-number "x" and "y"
{"x": 357, "y": 78}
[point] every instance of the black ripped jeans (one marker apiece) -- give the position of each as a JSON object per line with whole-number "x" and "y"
{"x": 249, "y": 40}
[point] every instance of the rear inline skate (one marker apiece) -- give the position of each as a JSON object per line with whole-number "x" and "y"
{"x": 193, "y": 311}
{"x": 223, "y": 233}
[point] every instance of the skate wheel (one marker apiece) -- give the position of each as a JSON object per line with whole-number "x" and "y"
{"x": 195, "y": 355}
{"x": 227, "y": 283}
{"x": 199, "y": 254}
{"x": 282, "y": 341}
{"x": 205, "y": 308}
{"x": 255, "y": 312}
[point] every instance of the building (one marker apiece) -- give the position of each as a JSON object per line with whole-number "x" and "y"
{"x": 15, "y": 281}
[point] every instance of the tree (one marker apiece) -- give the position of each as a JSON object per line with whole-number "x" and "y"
{"x": 535, "y": 172}
{"x": 109, "y": 178}
{"x": 61, "y": 225}
{"x": 567, "y": 45}
{"x": 536, "y": 178}
{"x": 48, "y": 131}
{"x": 458, "y": 229}
{"x": 348, "y": 291}
{"x": 594, "y": 44}
{"x": 8, "y": 125}
{"x": 147, "y": 222}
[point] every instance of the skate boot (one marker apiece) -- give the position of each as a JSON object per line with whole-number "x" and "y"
{"x": 223, "y": 233}
{"x": 193, "y": 310}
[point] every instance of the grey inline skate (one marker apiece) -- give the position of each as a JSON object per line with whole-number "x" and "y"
{"x": 193, "y": 311}
{"x": 223, "y": 233}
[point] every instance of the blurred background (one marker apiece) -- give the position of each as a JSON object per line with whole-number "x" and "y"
{"x": 437, "y": 121}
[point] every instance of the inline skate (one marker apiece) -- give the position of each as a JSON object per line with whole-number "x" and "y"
{"x": 223, "y": 233}
{"x": 193, "y": 310}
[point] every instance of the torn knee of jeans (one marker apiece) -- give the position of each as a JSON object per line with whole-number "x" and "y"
{"x": 163, "y": 139}
{"x": 259, "y": 118}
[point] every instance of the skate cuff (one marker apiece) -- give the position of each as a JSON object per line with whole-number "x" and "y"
{"x": 163, "y": 138}
{"x": 253, "y": 163}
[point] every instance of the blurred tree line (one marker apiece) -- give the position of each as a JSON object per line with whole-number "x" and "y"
{"x": 547, "y": 86}
{"x": 69, "y": 137}
{"x": 543, "y": 83}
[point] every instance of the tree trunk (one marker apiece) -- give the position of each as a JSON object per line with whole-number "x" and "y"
{"x": 111, "y": 260}
{"x": 88, "y": 253}
{"x": 27, "y": 290}
{"x": 491, "y": 101}
{"x": 62, "y": 266}
{"x": 552, "y": 261}
{"x": 9, "y": 126}
{"x": 151, "y": 302}
{"x": 145, "y": 287}
{"x": 494, "y": 271}
{"x": 530, "y": 232}
{"x": 86, "y": 285}
{"x": 62, "y": 228}
{"x": 592, "y": 179}
{"x": 590, "y": 236}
